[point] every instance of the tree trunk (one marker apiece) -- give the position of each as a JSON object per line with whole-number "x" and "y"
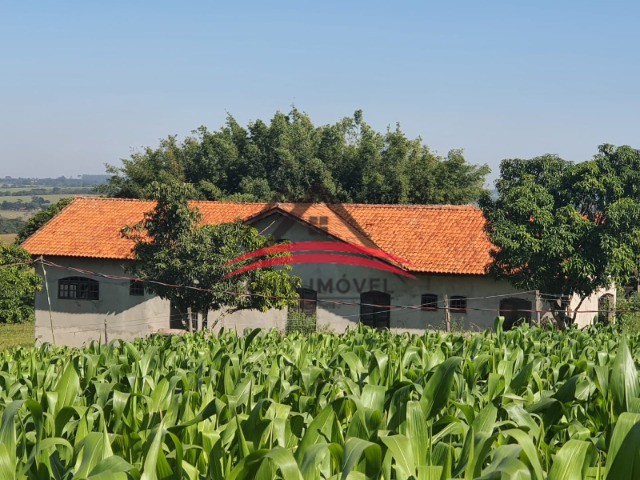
{"x": 575, "y": 312}
{"x": 560, "y": 315}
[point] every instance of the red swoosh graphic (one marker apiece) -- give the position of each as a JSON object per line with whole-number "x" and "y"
{"x": 329, "y": 246}
{"x": 321, "y": 258}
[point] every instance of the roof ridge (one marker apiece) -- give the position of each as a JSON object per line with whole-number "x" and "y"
{"x": 110, "y": 199}
{"x": 421, "y": 206}
{"x": 425, "y": 206}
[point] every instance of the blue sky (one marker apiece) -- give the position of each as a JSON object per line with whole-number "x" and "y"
{"x": 84, "y": 83}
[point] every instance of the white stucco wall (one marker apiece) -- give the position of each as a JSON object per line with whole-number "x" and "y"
{"x": 587, "y": 312}
{"x": 339, "y": 287}
{"x": 248, "y": 319}
{"x": 79, "y": 321}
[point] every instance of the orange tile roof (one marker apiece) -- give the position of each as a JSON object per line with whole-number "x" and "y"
{"x": 436, "y": 239}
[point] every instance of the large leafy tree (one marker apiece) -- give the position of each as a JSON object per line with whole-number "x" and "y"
{"x": 566, "y": 228}
{"x": 18, "y": 285}
{"x": 173, "y": 247}
{"x": 291, "y": 159}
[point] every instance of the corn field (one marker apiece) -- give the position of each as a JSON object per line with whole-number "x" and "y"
{"x": 367, "y": 404}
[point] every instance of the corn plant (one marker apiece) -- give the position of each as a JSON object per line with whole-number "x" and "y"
{"x": 528, "y": 403}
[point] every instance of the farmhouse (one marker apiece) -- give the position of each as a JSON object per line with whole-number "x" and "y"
{"x": 87, "y": 294}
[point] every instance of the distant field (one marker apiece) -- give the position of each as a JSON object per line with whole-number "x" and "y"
{"x": 11, "y": 190}
{"x": 7, "y": 238}
{"x": 27, "y": 198}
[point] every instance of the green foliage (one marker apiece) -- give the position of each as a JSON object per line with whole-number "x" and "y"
{"x": 290, "y": 159}
{"x": 299, "y": 322}
{"x": 11, "y": 225}
{"x": 526, "y": 403}
{"x": 628, "y": 312}
{"x": 40, "y": 218}
{"x": 36, "y": 203}
{"x": 18, "y": 285}
{"x": 566, "y": 228}
{"x": 172, "y": 247}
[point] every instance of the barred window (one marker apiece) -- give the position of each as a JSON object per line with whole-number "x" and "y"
{"x": 429, "y": 302}
{"x": 136, "y": 288}
{"x": 308, "y": 303}
{"x": 78, "y": 288}
{"x": 459, "y": 304}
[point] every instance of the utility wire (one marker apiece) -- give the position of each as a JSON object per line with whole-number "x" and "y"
{"x": 324, "y": 301}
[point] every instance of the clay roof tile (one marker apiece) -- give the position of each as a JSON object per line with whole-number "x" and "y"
{"x": 432, "y": 238}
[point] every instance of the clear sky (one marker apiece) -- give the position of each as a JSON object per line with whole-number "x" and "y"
{"x": 82, "y": 83}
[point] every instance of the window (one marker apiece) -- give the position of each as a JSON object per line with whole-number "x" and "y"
{"x": 308, "y": 303}
{"x": 78, "y": 288}
{"x": 322, "y": 222}
{"x": 458, "y": 304}
{"x": 374, "y": 309}
{"x": 136, "y": 288}
{"x": 429, "y": 302}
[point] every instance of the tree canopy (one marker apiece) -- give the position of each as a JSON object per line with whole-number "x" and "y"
{"x": 18, "y": 285}
{"x": 173, "y": 247}
{"x": 291, "y": 159}
{"x": 567, "y": 228}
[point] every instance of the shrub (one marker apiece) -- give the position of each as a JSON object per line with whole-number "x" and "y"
{"x": 299, "y": 322}
{"x": 628, "y": 312}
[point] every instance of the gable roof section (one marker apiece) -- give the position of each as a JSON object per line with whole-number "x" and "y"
{"x": 435, "y": 239}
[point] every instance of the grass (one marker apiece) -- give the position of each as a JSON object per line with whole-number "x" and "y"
{"x": 16, "y": 334}
{"x": 7, "y": 238}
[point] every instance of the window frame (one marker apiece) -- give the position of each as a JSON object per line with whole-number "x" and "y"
{"x": 462, "y": 300}
{"x": 429, "y": 302}
{"x": 136, "y": 288}
{"x": 308, "y": 302}
{"x": 78, "y": 288}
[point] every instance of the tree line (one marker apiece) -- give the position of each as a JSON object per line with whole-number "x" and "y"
{"x": 48, "y": 191}
{"x": 62, "y": 181}
{"x": 36, "y": 203}
{"x": 557, "y": 226}
{"x": 291, "y": 159}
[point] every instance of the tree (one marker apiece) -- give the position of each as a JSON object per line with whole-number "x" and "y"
{"x": 291, "y": 159}
{"x": 18, "y": 285}
{"x": 174, "y": 248}
{"x": 40, "y": 218}
{"x": 566, "y": 228}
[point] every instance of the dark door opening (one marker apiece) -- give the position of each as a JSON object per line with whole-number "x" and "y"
{"x": 374, "y": 309}
{"x": 515, "y": 312}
